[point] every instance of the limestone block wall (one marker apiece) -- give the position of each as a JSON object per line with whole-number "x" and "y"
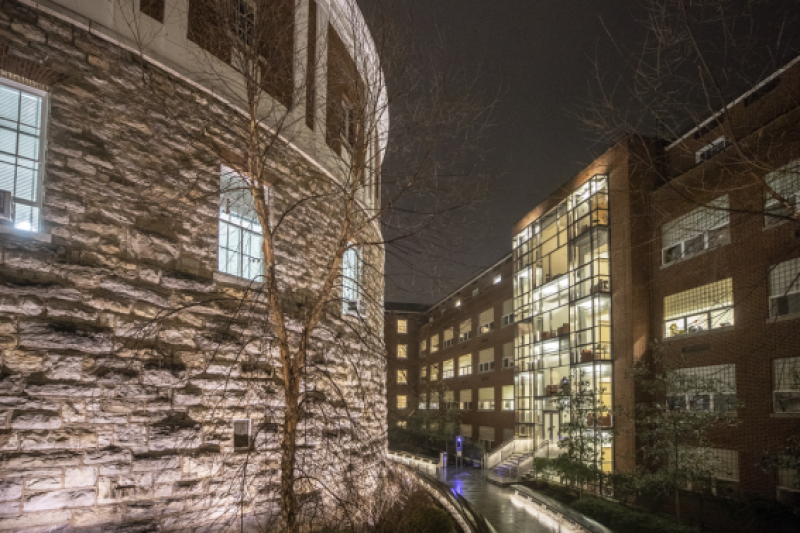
{"x": 125, "y": 356}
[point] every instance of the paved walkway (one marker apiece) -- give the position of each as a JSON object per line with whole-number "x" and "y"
{"x": 496, "y": 503}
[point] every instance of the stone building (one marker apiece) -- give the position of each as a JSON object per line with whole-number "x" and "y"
{"x": 140, "y": 386}
{"x": 693, "y": 252}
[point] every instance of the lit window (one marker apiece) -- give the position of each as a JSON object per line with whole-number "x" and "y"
{"x": 352, "y": 272}
{"x": 241, "y": 433}
{"x": 433, "y": 403}
{"x": 423, "y": 348}
{"x": 464, "y": 330}
{"x": 486, "y": 321}
{"x": 702, "y": 229}
{"x": 434, "y": 343}
{"x": 465, "y": 400}
{"x": 423, "y": 374}
{"x": 449, "y": 402}
{"x": 401, "y": 423}
{"x": 486, "y": 360}
{"x": 704, "y": 388}
{"x": 465, "y": 365}
{"x": 447, "y": 338}
{"x": 434, "y": 372}
{"x": 402, "y": 326}
{"x": 447, "y": 369}
{"x": 786, "y": 385}
{"x": 508, "y": 313}
{"x": 508, "y": 355}
{"x": 710, "y": 150}
{"x": 240, "y": 233}
{"x": 497, "y": 279}
{"x": 402, "y": 351}
{"x": 422, "y": 403}
{"x": 508, "y": 397}
{"x": 402, "y": 401}
{"x": 402, "y": 377}
{"x": 486, "y": 399}
{"x": 784, "y": 288}
{"x": 786, "y": 183}
{"x": 699, "y": 309}
{"x": 22, "y": 119}
{"x": 458, "y": 303}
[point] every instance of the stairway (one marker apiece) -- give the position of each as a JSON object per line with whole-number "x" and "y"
{"x": 510, "y": 465}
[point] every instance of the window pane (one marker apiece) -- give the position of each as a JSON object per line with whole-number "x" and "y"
{"x": 9, "y": 103}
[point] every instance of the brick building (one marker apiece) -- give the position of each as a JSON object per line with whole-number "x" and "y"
{"x": 401, "y": 330}
{"x": 138, "y": 367}
{"x": 463, "y": 349}
{"x": 694, "y": 251}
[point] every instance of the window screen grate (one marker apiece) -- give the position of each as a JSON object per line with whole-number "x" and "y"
{"x": 727, "y": 466}
{"x": 717, "y": 378}
{"x": 784, "y": 278}
{"x": 716, "y": 214}
{"x": 786, "y": 180}
{"x": 241, "y": 433}
{"x": 716, "y": 295}
{"x": 786, "y": 374}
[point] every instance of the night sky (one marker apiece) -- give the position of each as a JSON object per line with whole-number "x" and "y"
{"x": 537, "y": 56}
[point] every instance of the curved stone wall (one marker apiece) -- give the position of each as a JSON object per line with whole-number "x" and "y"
{"x": 126, "y": 356}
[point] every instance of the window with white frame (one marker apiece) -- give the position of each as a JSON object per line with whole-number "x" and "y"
{"x": 486, "y": 321}
{"x": 710, "y": 150}
{"x": 486, "y": 360}
{"x": 508, "y": 355}
{"x": 786, "y": 385}
{"x": 240, "y": 232}
{"x": 784, "y": 288}
{"x": 352, "y": 281}
{"x": 447, "y": 369}
{"x": 402, "y": 401}
{"x": 242, "y": 431}
{"x": 402, "y": 325}
{"x": 508, "y": 397}
{"x": 486, "y": 399}
{"x": 508, "y": 313}
{"x": 786, "y": 183}
{"x": 704, "y": 228}
{"x": 465, "y": 399}
{"x": 23, "y": 113}
{"x": 465, "y": 365}
{"x": 434, "y": 343}
{"x": 435, "y": 372}
{"x": 465, "y": 330}
{"x": 703, "y": 388}
{"x": 402, "y": 377}
{"x": 699, "y": 309}
{"x": 447, "y": 340}
{"x": 402, "y": 351}
{"x": 423, "y": 347}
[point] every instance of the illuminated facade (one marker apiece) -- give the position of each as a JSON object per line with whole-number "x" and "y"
{"x": 562, "y": 308}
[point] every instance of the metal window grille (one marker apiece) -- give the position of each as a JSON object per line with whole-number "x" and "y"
{"x": 240, "y": 232}
{"x": 241, "y": 433}
{"x": 700, "y": 229}
{"x": 786, "y": 182}
{"x": 786, "y": 374}
{"x": 706, "y": 388}
{"x": 784, "y": 288}
{"x": 244, "y": 18}
{"x": 22, "y": 120}
{"x": 727, "y": 466}
{"x": 719, "y": 378}
{"x": 706, "y": 307}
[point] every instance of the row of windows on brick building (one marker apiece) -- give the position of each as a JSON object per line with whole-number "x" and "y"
{"x": 463, "y": 399}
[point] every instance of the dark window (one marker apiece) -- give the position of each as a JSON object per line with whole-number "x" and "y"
{"x": 153, "y": 9}
{"x": 241, "y": 433}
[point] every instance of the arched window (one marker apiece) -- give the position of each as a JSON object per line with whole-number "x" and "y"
{"x": 352, "y": 274}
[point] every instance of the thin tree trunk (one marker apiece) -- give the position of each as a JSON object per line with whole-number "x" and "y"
{"x": 678, "y": 504}
{"x": 289, "y": 505}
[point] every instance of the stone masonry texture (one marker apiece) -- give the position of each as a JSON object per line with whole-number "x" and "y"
{"x": 125, "y": 355}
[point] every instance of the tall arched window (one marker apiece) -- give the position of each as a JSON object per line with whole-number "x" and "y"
{"x": 352, "y": 274}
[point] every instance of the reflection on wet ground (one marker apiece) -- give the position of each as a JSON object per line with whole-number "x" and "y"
{"x": 504, "y": 512}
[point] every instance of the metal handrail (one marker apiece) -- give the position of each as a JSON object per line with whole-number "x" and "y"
{"x": 558, "y": 514}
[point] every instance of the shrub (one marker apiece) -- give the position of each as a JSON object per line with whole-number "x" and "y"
{"x": 623, "y": 519}
{"x": 430, "y": 520}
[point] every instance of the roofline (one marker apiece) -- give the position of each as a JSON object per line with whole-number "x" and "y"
{"x": 496, "y": 264}
{"x": 721, "y": 112}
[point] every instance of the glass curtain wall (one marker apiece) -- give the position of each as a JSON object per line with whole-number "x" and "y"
{"x": 562, "y": 311}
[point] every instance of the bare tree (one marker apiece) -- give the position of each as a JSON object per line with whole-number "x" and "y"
{"x": 315, "y": 335}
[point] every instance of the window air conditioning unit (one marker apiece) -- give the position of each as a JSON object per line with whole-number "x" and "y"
{"x": 5, "y": 207}
{"x": 357, "y": 307}
{"x": 508, "y": 362}
{"x": 787, "y": 401}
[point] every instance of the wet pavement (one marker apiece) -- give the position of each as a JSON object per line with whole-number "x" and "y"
{"x": 504, "y": 512}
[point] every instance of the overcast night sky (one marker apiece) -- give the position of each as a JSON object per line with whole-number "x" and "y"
{"x": 538, "y": 54}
